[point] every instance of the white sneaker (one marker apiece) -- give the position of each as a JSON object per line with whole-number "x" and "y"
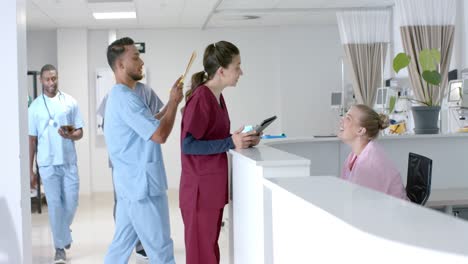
{"x": 33, "y": 193}
{"x": 141, "y": 254}
{"x": 60, "y": 256}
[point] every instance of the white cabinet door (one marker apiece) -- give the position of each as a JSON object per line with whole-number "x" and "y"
{"x": 105, "y": 80}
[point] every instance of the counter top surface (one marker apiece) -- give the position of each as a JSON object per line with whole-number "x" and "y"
{"x": 380, "y": 214}
{"x": 448, "y": 197}
{"x": 266, "y": 153}
{"x": 268, "y": 156}
{"x": 327, "y": 138}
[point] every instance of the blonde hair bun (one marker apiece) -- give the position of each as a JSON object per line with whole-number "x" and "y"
{"x": 384, "y": 121}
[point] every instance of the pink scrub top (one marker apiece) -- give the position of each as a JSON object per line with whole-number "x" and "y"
{"x": 374, "y": 170}
{"x": 204, "y": 179}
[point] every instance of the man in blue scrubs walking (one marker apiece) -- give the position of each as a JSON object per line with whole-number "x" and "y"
{"x": 133, "y": 137}
{"x": 154, "y": 103}
{"x": 55, "y": 124}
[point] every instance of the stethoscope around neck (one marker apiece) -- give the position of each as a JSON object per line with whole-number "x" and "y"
{"x": 51, "y": 120}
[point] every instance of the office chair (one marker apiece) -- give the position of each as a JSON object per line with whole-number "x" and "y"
{"x": 418, "y": 183}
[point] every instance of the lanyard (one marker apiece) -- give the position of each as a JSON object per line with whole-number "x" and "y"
{"x": 51, "y": 120}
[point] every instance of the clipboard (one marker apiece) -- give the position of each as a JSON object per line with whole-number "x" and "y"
{"x": 192, "y": 58}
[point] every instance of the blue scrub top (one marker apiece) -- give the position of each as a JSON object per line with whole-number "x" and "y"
{"x": 149, "y": 97}
{"x": 53, "y": 149}
{"x": 138, "y": 164}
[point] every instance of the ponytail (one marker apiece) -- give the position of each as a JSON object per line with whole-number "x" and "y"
{"x": 197, "y": 79}
{"x": 216, "y": 55}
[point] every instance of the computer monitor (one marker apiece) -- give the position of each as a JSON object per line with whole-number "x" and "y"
{"x": 452, "y": 75}
{"x": 388, "y": 82}
{"x": 454, "y": 91}
{"x": 336, "y": 99}
{"x": 382, "y": 96}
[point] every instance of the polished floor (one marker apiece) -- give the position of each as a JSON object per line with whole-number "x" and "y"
{"x": 93, "y": 229}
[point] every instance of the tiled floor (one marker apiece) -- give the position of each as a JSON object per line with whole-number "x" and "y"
{"x": 93, "y": 229}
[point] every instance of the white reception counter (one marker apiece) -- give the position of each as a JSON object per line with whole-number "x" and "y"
{"x": 327, "y": 220}
{"x": 448, "y": 152}
{"x": 317, "y": 219}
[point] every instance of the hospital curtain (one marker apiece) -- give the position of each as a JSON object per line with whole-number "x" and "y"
{"x": 427, "y": 24}
{"x": 365, "y": 35}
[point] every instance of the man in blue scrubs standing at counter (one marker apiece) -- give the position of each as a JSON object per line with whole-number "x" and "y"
{"x": 133, "y": 137}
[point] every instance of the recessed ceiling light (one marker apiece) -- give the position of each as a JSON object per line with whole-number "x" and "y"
{"x": 251, "y": 17}
{"x": 234, "y": 17}
{"x": 114, "y": 15}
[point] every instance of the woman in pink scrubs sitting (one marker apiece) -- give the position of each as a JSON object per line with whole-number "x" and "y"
{"x": 205, "y": 139}
{"x": 367, "y": 164}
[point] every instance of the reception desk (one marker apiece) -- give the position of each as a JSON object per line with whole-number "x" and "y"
{"x": 268, "y": 186}
{"x": 247, "y": 207}
{"x": 448, "y": 152}
{"x": 327, "y": 220}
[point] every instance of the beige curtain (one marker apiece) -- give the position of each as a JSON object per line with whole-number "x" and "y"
{"x": 366, "y": 61}
{"x": 417, "y": 38}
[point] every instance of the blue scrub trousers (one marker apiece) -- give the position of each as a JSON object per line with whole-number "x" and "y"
{"x": 61, "y": 186}
{"x": 139, "y": 246}
{"x": 147, "y": 220}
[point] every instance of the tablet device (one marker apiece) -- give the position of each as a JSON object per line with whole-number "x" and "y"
{"x": 259, "y": 128}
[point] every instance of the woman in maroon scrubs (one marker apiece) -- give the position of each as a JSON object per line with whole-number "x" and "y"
{"x": 205, "y": 139}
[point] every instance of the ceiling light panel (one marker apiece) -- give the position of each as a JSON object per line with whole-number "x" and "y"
{"x": 114, "y": 15}
{"x": 111, "y": 7}
{"x": 109, "y": 1}
{"x": 243, "y": 4}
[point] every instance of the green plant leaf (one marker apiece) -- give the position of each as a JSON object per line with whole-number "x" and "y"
{"x": 432, "y": 77}
{"x": 400, "y": 61}
{"x": 426, "y": 60}
{"x": 435, "y": 53}
{"x": 391, "y": 104}
{"x": 429, "y": 59}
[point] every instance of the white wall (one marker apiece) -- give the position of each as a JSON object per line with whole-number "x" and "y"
{"x": 42, "y": 48}
{"x": 456, "y": 61}
{"x": 255, "y": 97}
{"x": 101, "y": 179}
{"x": 278, "y": 63}
{"x": 15, "y": 216}
{"x": 310, "y": 70}
{"x": 288, "y": 71}
{"x": 72, "y": 54}
{"x": 464, "y": 40}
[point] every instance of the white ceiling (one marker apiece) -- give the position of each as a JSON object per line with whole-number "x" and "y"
{"x": 48, "y": 14}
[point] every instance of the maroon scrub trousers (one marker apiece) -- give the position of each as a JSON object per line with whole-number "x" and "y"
{"x": 204, "y": 179}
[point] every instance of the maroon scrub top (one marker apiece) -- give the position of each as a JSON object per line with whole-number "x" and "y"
{"x": 204, "y": 180}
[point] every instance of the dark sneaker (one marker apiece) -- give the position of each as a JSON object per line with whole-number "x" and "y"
{"x": 142, "y": 254}
{"x": 68, "y": 246}
{"x": 60, "y": 256}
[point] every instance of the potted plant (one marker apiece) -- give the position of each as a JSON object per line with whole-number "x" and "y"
{"x": 426, "y": 113}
